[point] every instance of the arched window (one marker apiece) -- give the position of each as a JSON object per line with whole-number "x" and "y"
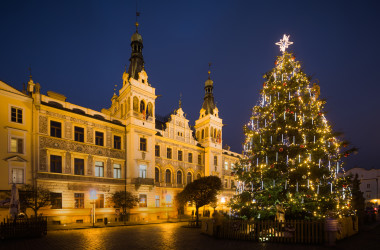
{"x": 198, "y": 176}
{"x": 198, "y": 135}
{"x": 135, "y": 104}
{"x": 168, "y": 176}
{"x": 142, "y": 106}
{"x": 179, "y": 177}
{"x": 189, "y": 178}
{"x": 156, "y": 174}
{"x": 214, "y": 132}
{"x": 149, "y": 109}
{"x": 206, "y": 132}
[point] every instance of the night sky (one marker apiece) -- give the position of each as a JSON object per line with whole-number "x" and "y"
{"x": 80, "y": 49}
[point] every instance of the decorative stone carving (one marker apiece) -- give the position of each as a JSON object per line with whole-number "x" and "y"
{"x": 89, "y": 165}
{"x": 68, "y": 130}
{"x": 109, "y": 141}
{"x": 109, "y": 168}
{"x": 86, "y": 187}
{"x": 56, "y": 115}
{"x": 68, "y": 163}
{"x": 43, "y": 160}
{"x": 72, "y": 146}
{"x": 90, "y": 135}
{"x": 43, "y": 124}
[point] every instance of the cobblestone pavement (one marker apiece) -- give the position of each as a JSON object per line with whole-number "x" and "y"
{"x": 164, "y": 236}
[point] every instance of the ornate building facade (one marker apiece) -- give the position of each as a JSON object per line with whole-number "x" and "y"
{"x": 72, "y": 149}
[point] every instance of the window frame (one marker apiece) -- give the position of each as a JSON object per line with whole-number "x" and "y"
{"x": 180, "y": 155}
{"x": 157, "y": 150}
{"x": 99, "y": 140}
{"x": 99, "y": 167}
{"x": 143, "y": 170}
{"x": 53, "y": 200}
{"x": 143, "y": 144}
{"x": 169, "y": 153}
{"x": 56, "y": 129}
{"x": 117, "y": 143}
{"x": 190, "y": 157}
{"x": 18, "y": 139}
{"x": 17, "y": 108}
{"x": 54, "y": 158}
{"x": 145, "y": 201}
{"x": 179, "y": 174}
{"x": 79, "y": 134}
{"x": 78, "y": 200}
{"x": 168, "y": 180}
{"x": 75, "y": 166}
{"x": 156, "y": 174}
{"x": 118, "y": 172}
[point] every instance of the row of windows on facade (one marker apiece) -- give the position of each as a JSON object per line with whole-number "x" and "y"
{"x": 168, "y": 176}
{"x": 56, "y": 131}
{"x": 169, "y": 154}
{"x": 56, "y": 200}
{"x": 56, "y": 167}
{"x": 214, "y": 133}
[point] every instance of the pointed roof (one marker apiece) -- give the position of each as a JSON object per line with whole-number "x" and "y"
{"x": 208, "y": 100}
{"x": 136, "y": 60}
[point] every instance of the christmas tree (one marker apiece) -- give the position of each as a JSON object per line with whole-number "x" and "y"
{"x": 292, "y": 158}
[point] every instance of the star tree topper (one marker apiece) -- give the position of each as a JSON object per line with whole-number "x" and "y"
{"x": 284, "y": 43}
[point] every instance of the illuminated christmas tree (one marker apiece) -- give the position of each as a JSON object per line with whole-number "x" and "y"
{"x": 292, "y": 158}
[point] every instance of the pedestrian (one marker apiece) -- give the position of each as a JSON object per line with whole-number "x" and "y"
{"x": 331, "y": 229}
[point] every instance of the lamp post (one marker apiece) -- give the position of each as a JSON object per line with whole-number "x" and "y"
{"x": 93, "y": 197}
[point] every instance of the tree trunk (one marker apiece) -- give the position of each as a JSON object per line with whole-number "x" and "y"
{"x": 197, "y": 216}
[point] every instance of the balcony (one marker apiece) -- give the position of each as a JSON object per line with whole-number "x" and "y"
{"x": 143, "y": 181}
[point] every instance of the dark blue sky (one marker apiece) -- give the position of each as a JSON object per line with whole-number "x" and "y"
{"x": 80, "y": 48}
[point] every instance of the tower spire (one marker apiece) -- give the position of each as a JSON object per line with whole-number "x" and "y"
{"x": 136, "y": 60}
{"x": 208, "y": 100}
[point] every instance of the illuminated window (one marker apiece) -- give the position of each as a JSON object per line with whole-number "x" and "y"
{"x": 16, "y": 145}
{"x": 232, "y": 166}
{"x": 117, "y": 171}
{"x": 79, "y": 200}
{"x": 143, "y": 144}
{"x": 79, "y": 134}
{"x": 55, "y": 129}
{"x": 116, "y": 142}
{"x": 99, "y": 169}
{"x": 56, "y": 163}
{"x": 157, "y": 201}
{"x": 99, "y": 202}
{"x": 226, "y": 165}
{"x": 142, "y": 200}
{"x": 142, "y": 171}
{"x": 16, "y": 114}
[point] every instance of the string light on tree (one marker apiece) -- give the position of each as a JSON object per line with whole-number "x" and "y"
{"x": 298, "y": 158}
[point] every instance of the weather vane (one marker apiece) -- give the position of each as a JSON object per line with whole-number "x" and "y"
{"x": 284, "y": 43}
{"x": 209, "y": 70}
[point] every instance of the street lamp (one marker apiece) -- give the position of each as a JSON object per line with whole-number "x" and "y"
{"x": 223, "y": 200}
{"x": 93, "y": 197}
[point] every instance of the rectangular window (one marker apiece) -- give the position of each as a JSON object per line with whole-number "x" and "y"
{"x": 99, "y": 203}
{"x": 56, "y": 200}
{"x": 79, "y": 200}
{"x": 117, "y": 171}
{"x": 169, "y": 153}
{"x": 99, "y": 169}
{"x": 157, "y": 203}
{"x": 215, "y": 160}
{"x": 78, "y": 166}
{"x": 142, "y": 171}
{"x": 16, "y": 115}
{"x": 157, "y": 150}
{"x": 56, "y": 163}
{"x": 55, "y": 129}
{"x": 99, "y": 138}
{"x": 199, "y": 160}
{"x": 17, "y": 175}
{"x": 225, "y": 183}
{"x": 180, "y": 155}
{"x": 232, "y": 184}
{"x": 17, "y": 145}
{"x": 190, "y": 157}
{"x": 117, "y": 142}
{"x": 232, "y": 166}
{"x": 143, "y": 144}
{"x": 142, "y": 200}
{"x": 226, "y": 165}
{"x": 79, "y": 134}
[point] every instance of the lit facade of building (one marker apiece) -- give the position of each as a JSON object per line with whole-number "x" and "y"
{"x": 71, "y": 149}
{"x": 369, "y": 184}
